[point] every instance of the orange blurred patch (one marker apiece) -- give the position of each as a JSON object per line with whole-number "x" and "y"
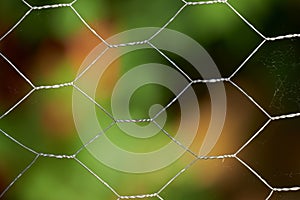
{"x": 57, "y": 119}
{"x": 84, "y": 41}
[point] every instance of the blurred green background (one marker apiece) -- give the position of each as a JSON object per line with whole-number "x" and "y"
{"x": 48, "y": 47}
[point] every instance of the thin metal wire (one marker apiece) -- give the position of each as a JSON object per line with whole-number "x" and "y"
{"x": 209, "y": 81}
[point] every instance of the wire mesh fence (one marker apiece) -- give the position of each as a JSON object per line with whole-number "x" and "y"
{"x": 42, "y": 47}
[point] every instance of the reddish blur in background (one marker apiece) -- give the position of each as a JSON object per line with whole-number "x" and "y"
{"x": 48, "y": 47}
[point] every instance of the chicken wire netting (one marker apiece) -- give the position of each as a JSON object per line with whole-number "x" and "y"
{"x": 43, "y": 44}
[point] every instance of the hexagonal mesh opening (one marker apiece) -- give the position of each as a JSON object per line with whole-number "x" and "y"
{"x": 149, "y": 100}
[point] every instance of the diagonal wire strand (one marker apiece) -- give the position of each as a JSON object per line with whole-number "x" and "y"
{"x": 19, "y": 176}
{"x": 56, "y": 86}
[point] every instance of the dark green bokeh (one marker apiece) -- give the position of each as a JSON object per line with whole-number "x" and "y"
{"x": 223, "y": 34}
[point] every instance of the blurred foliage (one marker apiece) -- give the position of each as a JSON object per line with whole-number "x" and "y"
{"x": 225, "y": 36}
